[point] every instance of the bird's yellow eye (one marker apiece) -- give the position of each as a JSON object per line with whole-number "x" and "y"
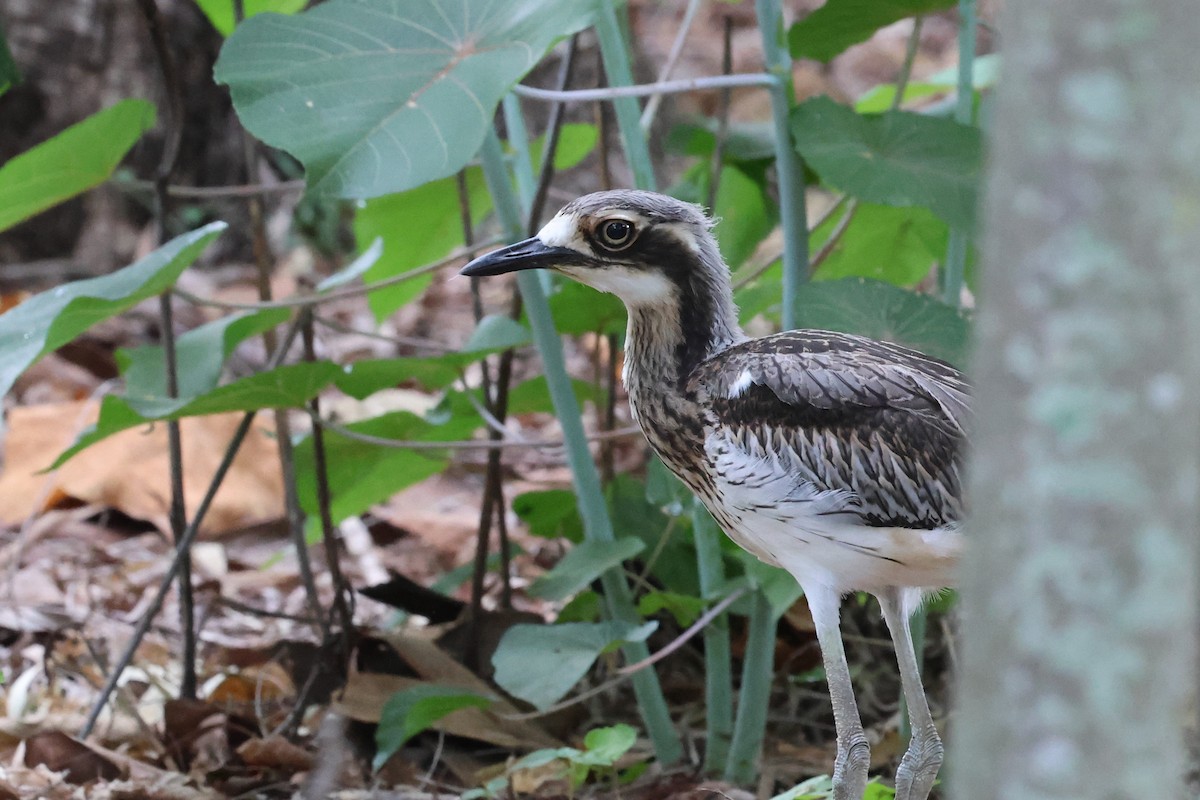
{"x": 615, "y": 234}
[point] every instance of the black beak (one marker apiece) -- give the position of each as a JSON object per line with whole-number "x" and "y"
{"x": 529, "y": 254}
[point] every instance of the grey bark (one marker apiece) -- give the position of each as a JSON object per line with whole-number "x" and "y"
{"x": 1080, "y": 590}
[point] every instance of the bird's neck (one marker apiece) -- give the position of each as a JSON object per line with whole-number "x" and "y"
{"x": 668, "y": 337}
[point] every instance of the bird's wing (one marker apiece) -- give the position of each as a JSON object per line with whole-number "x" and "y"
{"x": 878, "y": 426}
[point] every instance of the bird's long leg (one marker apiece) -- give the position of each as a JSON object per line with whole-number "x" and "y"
{"x": 853, "y": 751}
{"x": 920, "y": 764}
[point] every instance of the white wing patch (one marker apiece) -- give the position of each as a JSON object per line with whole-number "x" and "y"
{"x": 739, "y": 387}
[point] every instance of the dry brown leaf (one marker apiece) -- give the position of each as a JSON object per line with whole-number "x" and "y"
{"x": 129, "y": 471}
{"x": 62, "y": 753}
{"x": 275, "y": 752}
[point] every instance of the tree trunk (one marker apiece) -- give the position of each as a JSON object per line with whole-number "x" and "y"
{"x": 1080, "y": 589}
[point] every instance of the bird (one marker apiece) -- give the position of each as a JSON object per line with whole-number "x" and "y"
{"x": 834, "y": 456}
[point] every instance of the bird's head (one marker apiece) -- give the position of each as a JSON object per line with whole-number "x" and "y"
{"x": 646, "y": 248}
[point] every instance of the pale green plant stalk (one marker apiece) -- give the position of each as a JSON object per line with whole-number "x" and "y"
{"x": 956, "y": 246}
{"x": 592, "y": 507}
{"x": 754, "y": 698}
{"x": 616, "y": 66}
{"x": 788, "y": 167}
{"x": 718, "y": 669}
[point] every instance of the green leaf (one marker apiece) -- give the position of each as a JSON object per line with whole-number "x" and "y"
{"x": 584, "y": 563}
{"x": 840, "y": 23}
{"x": 583, "y": 607}
{"x": 550, "y": 513}
{"x": 49, "y": 320}
{"x": 497, "y": 332}
{"x": 283, "y": 387}
{"x": 604, "y": 746}
{"x": 576, "y": 141}
{"x": 664, "y": 490}
{"x": 897, "y": 245}
{"x": 220, "y": 12}
{"x": 540, "y": 663}
{"x": 9, "y": 76}
{"x": 883, "y": 311}
{"x": 744, "y": 141}
{"x": 407, "y": 713}
{"x": 201, "y": 354}
{"x": 683, "y": 607}
{"x": 418, "y": 227}
{"x": 362, "y": 474}
{"x": 82, "y": 156}
{"x": 376, "y": 98}
{"x": 579, "y": 309}
{"x": 494, "y": 333}
{"x": 898, "y": 158}
{"x": 744, "y": 213}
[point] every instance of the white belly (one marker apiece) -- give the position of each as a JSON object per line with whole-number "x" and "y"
{"x": 767, "y": 510}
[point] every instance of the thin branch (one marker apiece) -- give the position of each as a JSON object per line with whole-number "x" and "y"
{"x": 303, "y": 301}
{"x": 403, "y": 341}
{"x": 718, "y": 156}
{"x": 182, "y": 548}
{"x": 835, "y": 236}
{"x": 684, "y": 637}
{"x": 689, "y": 16}
{"x": 746, "y": 277}
{"x": 553, "y": 131}
{"x": 744, "y": 80}
{"x": 910, "y": 56}
{"x": 213, "y": 192}
{"x": 264, "y": 262}
{"x": 177, "y": 513}
{"x": 342, "y": 607}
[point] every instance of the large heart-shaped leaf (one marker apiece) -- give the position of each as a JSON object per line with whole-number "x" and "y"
{"x": 378, "y": 97}
{"x": 883, "y": 311}
{"x": 840, "y": 23}
{"x": 75, "y": 160}
{"x": 897, "y": 159}
{"x": 49, "y": 320}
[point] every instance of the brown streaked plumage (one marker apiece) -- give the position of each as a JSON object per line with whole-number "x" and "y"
{"x": 833, "y": 456}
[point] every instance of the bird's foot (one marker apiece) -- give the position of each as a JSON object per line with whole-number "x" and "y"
{"x": 850, "y": 768}
{"x": 919, "y": 766}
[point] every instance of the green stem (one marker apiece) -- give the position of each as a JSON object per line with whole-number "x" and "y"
{"x": 616, "y": 67}
{"x": 592, "y": 507}
{"x": 718, "y": 669}
{"x": 788, "y": 165}
{"x": 755, "y": 697}
{"x": 956, "y": 246}
{"x": 518, "y": 140}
